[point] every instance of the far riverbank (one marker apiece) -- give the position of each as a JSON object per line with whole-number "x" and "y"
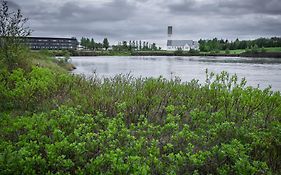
{"x": 167, "y": 53}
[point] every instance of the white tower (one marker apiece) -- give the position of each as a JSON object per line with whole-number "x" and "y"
{"x": 169, "y": 39}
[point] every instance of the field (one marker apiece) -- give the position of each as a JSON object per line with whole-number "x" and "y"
{"x": 53, "y": 122}
{"x": 273, "y": 49}
{"x": 238, "y": 51}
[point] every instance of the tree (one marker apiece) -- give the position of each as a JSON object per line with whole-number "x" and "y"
{"x": 153, "y": 47}
{"x": 255, "y": 49}
{"x": 93, "y": 44}
{"x": 134, "y": 45}
{"x": 105, "y": 43}
{"x": 83, "y": 42}
{"x": 99, "y": 46}
{"x": 137, "y": 45}
{"x": 12, "y": 33}
{"x": 88, "y": 43}
{"x": 130, "y": 45}
{"x": 125, "y": 45}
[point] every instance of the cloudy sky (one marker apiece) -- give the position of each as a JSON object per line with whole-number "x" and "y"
{"x": 148, "y": 19}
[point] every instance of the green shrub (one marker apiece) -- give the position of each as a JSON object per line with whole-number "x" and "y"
{"x": 62, "y": 124}
{"x": 255, "y": 49}
{"x": 178, "y": 52}
{"x": 227, "y": 51}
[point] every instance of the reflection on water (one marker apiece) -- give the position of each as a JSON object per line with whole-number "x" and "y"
{"x": 262, "y": 71}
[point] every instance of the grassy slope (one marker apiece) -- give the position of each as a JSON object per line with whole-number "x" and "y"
{"x": 44, "y": 59}
{"x": 273, "y": 49}
{"x": 239, "y": 51}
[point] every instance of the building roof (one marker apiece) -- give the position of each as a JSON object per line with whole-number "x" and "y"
{"x": 55, "y": 38}
{"x": 181, "y": 42}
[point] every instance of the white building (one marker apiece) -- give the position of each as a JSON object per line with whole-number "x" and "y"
{"x": 185, "y": 45}
{"x": 80, "y": 47}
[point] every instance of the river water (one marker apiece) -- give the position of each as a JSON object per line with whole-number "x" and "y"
{"x": 257, "y": 71}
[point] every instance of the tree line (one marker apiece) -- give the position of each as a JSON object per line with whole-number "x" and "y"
{"x": 133, "y": 45}
{"x": 90, "y": 44}
{"x": 216, "y": 44}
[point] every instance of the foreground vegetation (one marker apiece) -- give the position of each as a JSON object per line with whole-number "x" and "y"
{"x": 57, "y": 123}
{"x": 53, "y": 122}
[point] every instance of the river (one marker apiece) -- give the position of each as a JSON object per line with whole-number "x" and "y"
{"x": 257, "y": 71}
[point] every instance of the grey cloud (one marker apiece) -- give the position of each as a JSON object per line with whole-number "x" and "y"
{"x": 226, "y": 7}
{"x": 253, "y": 6}
{"x": 111, "y": 11}
{"x": 13, "y": 5}
{"x": 79, "y": 19}
{"x": 77, "y": 10}
{"x": 148, "y": 19}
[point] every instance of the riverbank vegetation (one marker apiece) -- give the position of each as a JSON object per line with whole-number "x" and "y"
{"x": 216, "y": 45}
{"x": 265, "y": 52}
{"x": 54, "y": 122}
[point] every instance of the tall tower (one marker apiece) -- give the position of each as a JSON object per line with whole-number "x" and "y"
{"x": 169, "y": 39}
{"x": 170, "y": 31}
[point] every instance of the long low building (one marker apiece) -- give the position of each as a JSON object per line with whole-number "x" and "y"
{"x": 39, "y": 43}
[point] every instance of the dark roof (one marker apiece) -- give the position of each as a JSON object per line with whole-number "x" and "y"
{"x": 51, "y": 38}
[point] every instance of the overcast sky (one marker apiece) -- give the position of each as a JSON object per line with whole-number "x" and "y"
{"x": 148, "y": 19}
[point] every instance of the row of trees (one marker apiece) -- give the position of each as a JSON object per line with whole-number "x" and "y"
{"x": 92, "y": 45}
{"x": 215, "y": 44}
{"x": 136, "y": 45}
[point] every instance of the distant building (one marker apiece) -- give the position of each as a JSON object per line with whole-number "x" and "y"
{"x": 80, "y": 47}
{"x": 38, "y": 43}
{"x": 185, "y": 45}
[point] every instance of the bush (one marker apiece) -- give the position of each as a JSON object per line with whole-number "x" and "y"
{"x": 255, "y": 49}
{"x": 12, "y": 33}
{"x": 193, "y": 51}
{"x": 178, "y": 52}
{"x": 227, "y": 51}
{"x": 63, "y": 124}
{"x": 263, "y": 50}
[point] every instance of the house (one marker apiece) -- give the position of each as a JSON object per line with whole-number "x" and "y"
{"x": 185, "y": 45}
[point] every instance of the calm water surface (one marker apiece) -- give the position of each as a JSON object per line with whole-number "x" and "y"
{"x": 258, "y": 71}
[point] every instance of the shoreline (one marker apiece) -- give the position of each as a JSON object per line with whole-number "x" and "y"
{"x": 161, "y": 53}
